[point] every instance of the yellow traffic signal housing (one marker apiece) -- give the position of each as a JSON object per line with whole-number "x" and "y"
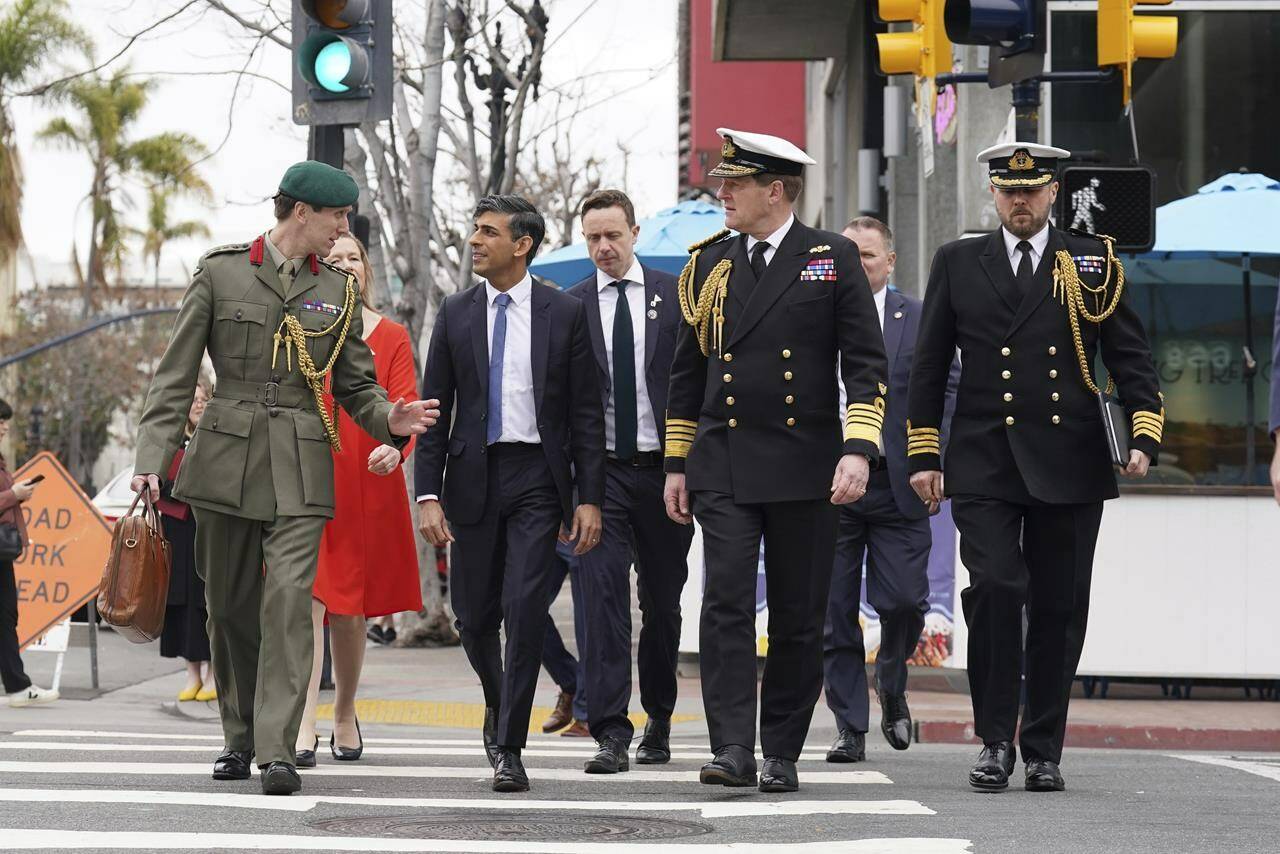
{"x": 925, "y": 51}
{"x": 1124, "y": 37}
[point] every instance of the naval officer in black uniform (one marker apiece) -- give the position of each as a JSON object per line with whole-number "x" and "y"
{"x": 1028, "y": 466}
{"x": 754, "y": 446}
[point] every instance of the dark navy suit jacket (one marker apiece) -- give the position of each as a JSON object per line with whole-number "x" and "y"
{"x": 661, "y": 300}
{"x": 451, "y": 457}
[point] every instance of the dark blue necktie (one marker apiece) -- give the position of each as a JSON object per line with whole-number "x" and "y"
{"x": 624, "y": 378}
{"x": 495, "y": 367}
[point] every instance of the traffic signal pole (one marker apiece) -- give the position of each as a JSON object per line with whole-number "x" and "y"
{"x": 1026, "y": 93}
{"x": 326, "y": 144}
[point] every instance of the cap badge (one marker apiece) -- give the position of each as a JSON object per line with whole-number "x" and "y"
{"x": 1021, "y": 161}
{"x": 727, "y": 150}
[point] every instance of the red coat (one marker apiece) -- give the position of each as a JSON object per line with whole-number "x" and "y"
{"x": 368, "y": 558}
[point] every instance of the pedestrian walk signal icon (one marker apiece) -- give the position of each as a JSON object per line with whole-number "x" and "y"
{"x": 1115, "y": 200}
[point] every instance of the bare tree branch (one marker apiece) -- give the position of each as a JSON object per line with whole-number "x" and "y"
{"x": 260, "y": 29}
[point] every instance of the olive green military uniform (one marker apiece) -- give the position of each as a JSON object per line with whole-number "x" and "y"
{"x": 259, "y": 470}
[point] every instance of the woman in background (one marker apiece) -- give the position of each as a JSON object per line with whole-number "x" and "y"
{"x": 368, "y": 563}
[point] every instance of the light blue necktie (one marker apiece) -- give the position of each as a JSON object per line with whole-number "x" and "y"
{"x": 495, "y": 367}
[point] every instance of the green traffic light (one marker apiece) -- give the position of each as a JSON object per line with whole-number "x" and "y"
{"x": 332, "y": 65}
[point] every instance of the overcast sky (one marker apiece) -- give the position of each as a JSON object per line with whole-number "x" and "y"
{"x": 628, "y": 49}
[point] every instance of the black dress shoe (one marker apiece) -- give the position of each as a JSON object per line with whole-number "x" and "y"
{"x": 995, "y": 764}
{"x": 489, "y": 733}
{"x": 346, "y": 754}
{"x": 895, "y": 720}
{"x": 849, "y": 746}
{"x": 306, "y": 758}
{"x": 778, "y": 775}
{"x": 610, "y": 758}
{"x": 734, "y": 765}
{"x": 232, "y": 765}
{"x": 508, "y": 772}
{"x": 280, "y": 778}
{"x": 374, "y": 633}
{"x": 655, "y": 747}
{"x": 1044, "y": 776}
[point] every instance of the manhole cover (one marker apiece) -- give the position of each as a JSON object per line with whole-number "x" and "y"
{"x": 549, "y": 827}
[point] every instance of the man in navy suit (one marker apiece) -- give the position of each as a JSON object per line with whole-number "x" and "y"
{"x": 632, "y": 313}
{"x": 510, "y": 361}
{"x": 891, "y": 526}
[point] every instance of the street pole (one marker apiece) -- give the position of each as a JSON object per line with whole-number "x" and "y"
{"x": 1026, "y": 109}
{"x": 325, "y": 143}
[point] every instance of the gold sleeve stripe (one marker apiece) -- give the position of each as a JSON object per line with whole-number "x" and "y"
{"x": 858, "y": 431}
{"x": 915, "y": 452}
{"x": 680, "y": 434}
{"x": 923, "y": 446}
{"x": 1148, "y": 424}
{"x": 864, "y": 421}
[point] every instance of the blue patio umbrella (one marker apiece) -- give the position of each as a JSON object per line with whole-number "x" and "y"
{"x": 1234, "y": 216}
{"x": 664, "y": 243}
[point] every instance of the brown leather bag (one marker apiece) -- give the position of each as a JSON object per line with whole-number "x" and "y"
{"x": 135, "y": 582}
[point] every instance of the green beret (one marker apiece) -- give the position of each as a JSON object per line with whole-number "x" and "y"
{"x": 319, "y": 185}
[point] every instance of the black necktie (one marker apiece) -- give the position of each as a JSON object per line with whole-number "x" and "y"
{"x": 1024, "y": 269}
{"x": 624, "y": 377}
{"x": 758, "y": 262}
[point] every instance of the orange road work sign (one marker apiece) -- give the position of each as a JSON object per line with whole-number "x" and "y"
{"x": 67, "y": 548}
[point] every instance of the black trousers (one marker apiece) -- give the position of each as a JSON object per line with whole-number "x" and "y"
{"x": 897, "y": 553}
{"x": 1039, "y": 556}
{"x": 11, "y": 669}
{"x": 799, "y": 544}
{"x": 635, "y": 522}
{"x": 503, "y": 566}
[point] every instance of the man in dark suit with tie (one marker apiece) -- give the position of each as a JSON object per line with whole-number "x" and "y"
{"x": 522, "y": 428}
{"x": 755, "y": 450}
{"x": 890, "y": 525}
{"x": 1028, "y": 464}
{"x": 633, "y": 313}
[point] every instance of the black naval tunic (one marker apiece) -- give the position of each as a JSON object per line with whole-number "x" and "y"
{"x": 754, "y": 424}
{"x": 1027, "y": 465}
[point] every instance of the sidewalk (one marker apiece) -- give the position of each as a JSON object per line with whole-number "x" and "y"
{"x": 435, "y": 689}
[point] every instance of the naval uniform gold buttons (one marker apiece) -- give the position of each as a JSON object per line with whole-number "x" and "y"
{"x": 786, "y": 354}
{"x": 728, "y": 401}
{"x": 733, "y": 422}
{"x": 1054, "y": 396}
{"x": 1053, "y": 351}
{"x": 1053, "y": 374}
{"x": 1007, "y": 397}
{"x": 787, "y": 375}
{"x": 1056, "y": 419}
{"x": 728, "y": 378}
{"x": 791, "y": 398}
{"x": 791, "y": 422}
{"x": 1009, "y": 420}
{"x": 1005, "y": 351}
{"x": 728, "y": 357}
{"x": 1007, "y": 374}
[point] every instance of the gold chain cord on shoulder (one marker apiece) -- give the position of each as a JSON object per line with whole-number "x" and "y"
{"x": 704, "y": 309}
{"x": 296, "y": 336}
{"x": 1069, "y": 290}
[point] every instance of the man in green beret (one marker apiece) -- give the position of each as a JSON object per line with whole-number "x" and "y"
{"x": 278, "y": 324}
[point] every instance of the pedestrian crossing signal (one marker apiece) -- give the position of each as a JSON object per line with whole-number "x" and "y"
{"x": 1119, "y": 201}
{"x": 342, "y": 61}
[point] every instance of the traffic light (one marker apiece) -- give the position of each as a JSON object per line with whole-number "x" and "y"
{"x": 341, "y": 61}
{"x": 1119, "y": 201}
{"x": 1124, "y": 37}
{"x": 925, "y": 51}
{"x": 1013, "y": 30}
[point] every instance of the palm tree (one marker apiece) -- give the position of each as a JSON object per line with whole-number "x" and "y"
{"x": 108, "y": 108}
{"x": 32, "y": 32}
{"x": 160, "y": 231}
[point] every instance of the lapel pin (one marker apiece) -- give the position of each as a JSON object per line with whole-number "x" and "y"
{"x": 657, "y": 298}
{"x": 897, "y": 315}
{"x": 653, "y": 314}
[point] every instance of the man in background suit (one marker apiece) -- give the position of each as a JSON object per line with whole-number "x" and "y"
{"x": 633, "y": 313}
{"x": 511, "y": 364}
{"x": 891, "y": 526}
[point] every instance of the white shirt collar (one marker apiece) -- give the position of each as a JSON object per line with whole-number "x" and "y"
{"x": 1038, "y": 242}
{"x": 775, "y": 239}
{"x": 635, "y": 273}
{"x": 518, "y": 294}
{"x": 880, "y": 297}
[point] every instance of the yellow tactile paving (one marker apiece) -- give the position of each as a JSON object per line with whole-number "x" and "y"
{"x": 454, "y": 715}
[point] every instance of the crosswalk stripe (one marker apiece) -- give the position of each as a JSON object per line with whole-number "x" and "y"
{"x": 1269, "y": 770}
{"x": 130, "y": 840}
{"x": 305, "y": 803}
{"x": 645, "y": 775}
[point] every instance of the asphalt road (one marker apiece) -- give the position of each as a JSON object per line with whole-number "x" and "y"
{"x": 147, "y": 788}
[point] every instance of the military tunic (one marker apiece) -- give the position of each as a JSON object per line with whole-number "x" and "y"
{"x": 259, "y": 469}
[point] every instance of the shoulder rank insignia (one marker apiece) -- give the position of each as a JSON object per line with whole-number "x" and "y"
{"x": 821, "y": 248}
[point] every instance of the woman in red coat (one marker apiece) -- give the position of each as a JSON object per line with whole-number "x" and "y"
{"x": 368, "y": 558}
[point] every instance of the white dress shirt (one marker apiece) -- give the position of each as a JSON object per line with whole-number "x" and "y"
{"x": 1038, "y": 242}
{"x": 774, "y": 240}
{"x": 879, "y": 297}
{"x": 646, "y": 427}
{"x": 519, "y": 414}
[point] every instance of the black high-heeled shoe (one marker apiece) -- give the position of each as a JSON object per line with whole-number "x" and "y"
{"x": 306, "y": 758}
{"x": 346, "y": 754}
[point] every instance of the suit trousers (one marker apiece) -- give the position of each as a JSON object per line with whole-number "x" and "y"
{"x": 897, "y": 559}
{"x": 1039, "y": 556}
{"x": 635, "y": 523}
{"x": 567, "y": 672}
{"x": 12, "y": 672}
{"x": 503, "y": 566}
{"x": 799, "y": 546}
{"x": 257, "y": 582}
